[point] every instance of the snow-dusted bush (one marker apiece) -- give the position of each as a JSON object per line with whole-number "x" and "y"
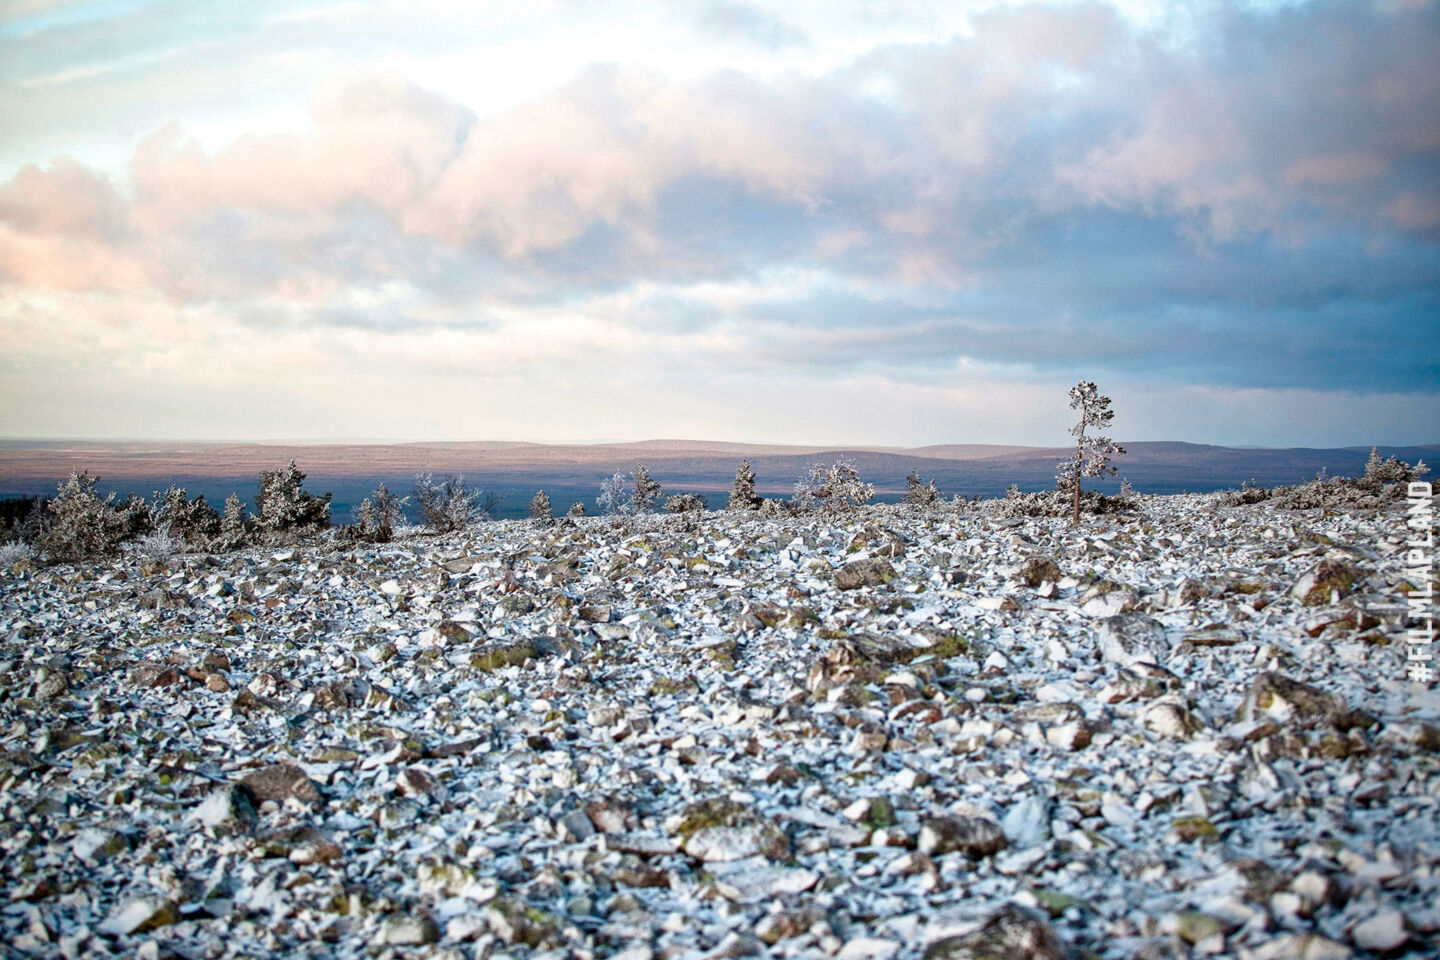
{"x": 647, "y": 491}
{"x": 626, "y": 496}
{"x": 684, "y": 503}
{"x": 194, "y": 522}
{"x": 918, "y": 493}
{"x": 1059, "y": 502}
{"x": 742, "y": 494}
{"x": 159, "y": 545}
{"x": 284, "y": 510}
{"x": 234, "y": 525}
{"x": 1092, "y": 452}
{"x": 540, "y": 508}
{"x": 13, "y": 552}
{"x": 771, "y": 508}
{"x": 577, "y": 509}
{"x": 1384, "y": 482}
{"x": 614, "y": 496}
{"x": 450, "y": 504}
{"x": 834, "y": 488}
{"x": 379, "y": 514}
{"x": 1380, "y": 473}
{"x": 78, "y": 525}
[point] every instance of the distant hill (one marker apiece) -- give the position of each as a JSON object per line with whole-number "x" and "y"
{"x": 571, "y": 472}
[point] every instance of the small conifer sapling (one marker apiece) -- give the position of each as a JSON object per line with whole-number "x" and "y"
{"x": 1092, "y": 451}
{"x": 742, "y": 494}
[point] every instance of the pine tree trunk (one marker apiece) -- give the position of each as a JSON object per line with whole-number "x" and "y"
{"x": 1078, "y": 454}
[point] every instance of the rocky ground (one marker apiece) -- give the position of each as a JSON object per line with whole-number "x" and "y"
{"x": 901, "y": 733}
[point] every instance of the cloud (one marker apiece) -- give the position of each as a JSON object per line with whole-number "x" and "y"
{"x": 1053, "y": 192}
{"x": 729, "y": 20}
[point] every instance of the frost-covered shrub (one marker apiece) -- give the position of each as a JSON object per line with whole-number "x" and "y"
{"x": 742, "y": 494}
{"x": 1392, "y": 470}
{"x": 614, "y": 496}
{"x": 577, "y": 509}
{"x": 647, "y": 491}
{"x": 159, "y": 544}
{"x": 78, "y": 525}
{"x": 834, "y": 488}
{"x": 284, "y": 510}
{"x": 918, "y": 493}
{"x": 772, "y": 508}
{"x": 1247, "y": 494}
{"x": 235, "y": 526}
{"x": 379, "y": 514}
{"x": 1384, "y": 482}
{"x": 540, "y": 508}
{"x": 625, "y": 496}
{"x": 194, "y": 522}
{"x": 1059, "y": 502}
{"x": 684, "y": 503}
{"x": 13, "y": 552}
{"x": 450, "y": 504}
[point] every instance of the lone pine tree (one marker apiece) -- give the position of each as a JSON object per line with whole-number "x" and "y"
{"x": 1092, "y": 451}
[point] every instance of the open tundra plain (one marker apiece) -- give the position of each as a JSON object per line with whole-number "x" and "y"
{"x": 894, "y": 733}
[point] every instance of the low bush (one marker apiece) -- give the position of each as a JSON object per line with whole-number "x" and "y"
{"x": 194, "y": 523}
{"x": 379, "y": 514}
{"x": 78, "y": 525}
{"x": 1384, "y": 482}
{"x": 684, "y": 503}
{"x": 918, "y": 493}
{"x": 835, "y": 488}
{"x": 285, "y": 512}
{"x": 450, "y": 504}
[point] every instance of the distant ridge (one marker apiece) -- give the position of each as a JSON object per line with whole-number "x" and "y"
{"x": 571, "y": 472}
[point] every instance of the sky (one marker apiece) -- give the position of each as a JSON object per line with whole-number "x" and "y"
{"x": 811, "y": 221}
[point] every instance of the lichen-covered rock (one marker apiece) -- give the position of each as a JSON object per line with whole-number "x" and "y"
{"x": 495, "y": 656}
{"x": 1326, "y": 581}
{"x": 515, "y": 923}
{"x": 1037, "y": 570}
{"x": 872, "y": 572}
{"x": 1278, "y": 697}
{"x": 280, "y": 782}
{"x": 1011, "y": 933}
{"x": 723, "y": 830}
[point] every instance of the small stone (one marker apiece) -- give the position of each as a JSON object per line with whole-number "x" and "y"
{"x": 1132, "y": 637}
{"x": 227, "y": 806}
{"x": 1324, "y": 582}
{"x": 280, "y": 782}
{"x": 140, "y": 915}
{"x": 1170, "y": 720}
{"x": 1074, "y": 735}
{"x": 975, "y": 837}
{"x": 609, "y": 815}
{"x": 868, "y": 948}
{"x": 1276, "y": 696}
{"x": 1381, "y": 933}
{"x": 874, "y": 572}
{"x": 406, "y": 932}
{"x": 1012, "y": 933}
{"x": 97, "y": 844}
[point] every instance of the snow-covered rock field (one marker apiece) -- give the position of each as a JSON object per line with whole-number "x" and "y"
{"x": 893, "y": 734}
